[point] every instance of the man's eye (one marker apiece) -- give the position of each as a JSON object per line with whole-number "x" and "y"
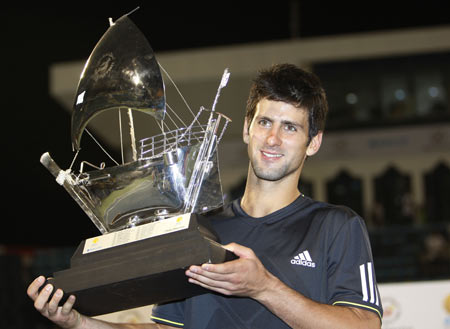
{"x": 291, "y": 128}
{"x": 264, "y": 122}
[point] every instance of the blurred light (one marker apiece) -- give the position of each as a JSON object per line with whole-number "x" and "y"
{"x": 400, "y": 94}
{"x": 136, "y": 79}
{"x": 351, "y": 98}
{"x": 433, "y": 92}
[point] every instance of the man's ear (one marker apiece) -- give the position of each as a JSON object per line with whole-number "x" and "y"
{"x": 314, "y": 145}
{"x": 245, "y": 134}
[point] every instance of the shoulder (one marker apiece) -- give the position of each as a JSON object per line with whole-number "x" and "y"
{"x": 334, "y": 218}
{"x": 331, "y": 212}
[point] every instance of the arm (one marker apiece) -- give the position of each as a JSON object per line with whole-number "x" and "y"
{"x": 68, "y": 318}
{"x": 247, "y": 276}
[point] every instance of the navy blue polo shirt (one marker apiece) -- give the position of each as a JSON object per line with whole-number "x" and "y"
{"x": 318, "y": 249}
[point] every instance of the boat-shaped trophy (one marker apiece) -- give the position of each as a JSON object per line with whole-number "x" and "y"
{"x": 149, "y": 210}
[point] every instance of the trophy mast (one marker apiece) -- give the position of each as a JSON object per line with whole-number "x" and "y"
{"x": 210, "y": 141}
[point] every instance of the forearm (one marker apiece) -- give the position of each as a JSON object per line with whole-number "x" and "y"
{"x": 90, "y": 323}
{"x": 301, "y": 312}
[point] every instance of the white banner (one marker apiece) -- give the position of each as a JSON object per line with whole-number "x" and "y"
{"x": 416, "y": 305}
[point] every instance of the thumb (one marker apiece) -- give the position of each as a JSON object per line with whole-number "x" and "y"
{"x": 239, "y": 250}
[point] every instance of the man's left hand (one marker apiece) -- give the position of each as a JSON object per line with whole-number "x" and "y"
{"x": 245, "y": 276}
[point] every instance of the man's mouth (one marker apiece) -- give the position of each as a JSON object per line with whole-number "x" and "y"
{"x": 271, "y": 155}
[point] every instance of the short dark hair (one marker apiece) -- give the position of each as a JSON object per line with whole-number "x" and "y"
{"x": 290, "y": 84}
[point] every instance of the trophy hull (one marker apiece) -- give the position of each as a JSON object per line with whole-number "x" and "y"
{"x": 139, "y": 273}
{"x": 116, "y": 198}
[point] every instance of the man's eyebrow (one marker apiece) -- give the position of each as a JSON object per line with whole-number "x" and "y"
{"x": 293, "y": 123}
{"x": 262, "y": 117}
{"x": 288, "y": 122}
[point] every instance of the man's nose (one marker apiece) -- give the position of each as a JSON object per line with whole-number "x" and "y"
{"x": 274, "y": 138}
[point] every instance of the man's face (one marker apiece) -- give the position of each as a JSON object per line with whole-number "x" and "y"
{"x": 277, "y": 140}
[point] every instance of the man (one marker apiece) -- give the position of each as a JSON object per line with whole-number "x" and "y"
{"x": 302, "y": 263}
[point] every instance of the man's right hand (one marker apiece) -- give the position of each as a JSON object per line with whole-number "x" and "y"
{"x": 64, "y": 316}
{"x": 68, "y": 318}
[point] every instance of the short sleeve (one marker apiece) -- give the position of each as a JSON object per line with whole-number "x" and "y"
{"x": 351, "y": 273}
{"x": 171, "y": 314}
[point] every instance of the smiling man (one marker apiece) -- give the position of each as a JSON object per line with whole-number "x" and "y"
{"x": 301, "y": 263}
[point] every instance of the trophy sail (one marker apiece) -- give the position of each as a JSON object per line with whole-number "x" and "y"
{"x": 121, "y": 72}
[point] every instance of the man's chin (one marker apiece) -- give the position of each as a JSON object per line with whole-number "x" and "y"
{"x": 269, "y": 175}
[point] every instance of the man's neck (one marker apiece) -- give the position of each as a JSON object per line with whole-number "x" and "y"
{"x": 262, "y": 198}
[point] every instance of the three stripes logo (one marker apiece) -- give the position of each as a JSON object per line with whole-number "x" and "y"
{"x": 369, "y": 289}
{"x": 304, "y": 259}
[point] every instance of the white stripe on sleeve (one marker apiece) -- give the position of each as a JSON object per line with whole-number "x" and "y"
{"x": 362, "y": 271}
{"x": 370, "y": 275}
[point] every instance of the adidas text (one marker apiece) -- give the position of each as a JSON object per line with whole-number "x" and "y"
{"x": 303, "y": 262}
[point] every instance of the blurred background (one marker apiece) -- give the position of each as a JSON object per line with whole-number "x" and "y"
{"x": 386, "y": 152}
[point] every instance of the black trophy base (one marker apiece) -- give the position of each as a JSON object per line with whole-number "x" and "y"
{"x": 140, "y": 273}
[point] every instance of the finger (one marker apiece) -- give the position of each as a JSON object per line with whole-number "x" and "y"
{"x": 41, "y": 301}
{"x": 54, "y": 302}
{"x": 213, "y": 288}
{"x": 209, "y": 282}
{"x": 201, "y": 275}
{"x": 214, "y": 280}
{"x": 214, "y": 271}
{"x": 33, "y": 288}
{"x": 67, "y": 307}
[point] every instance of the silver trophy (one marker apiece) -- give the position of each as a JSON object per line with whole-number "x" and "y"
{"x": 149, "y": 210}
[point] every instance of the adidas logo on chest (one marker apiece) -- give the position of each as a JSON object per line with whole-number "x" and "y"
{"x": 303, "y": 259}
